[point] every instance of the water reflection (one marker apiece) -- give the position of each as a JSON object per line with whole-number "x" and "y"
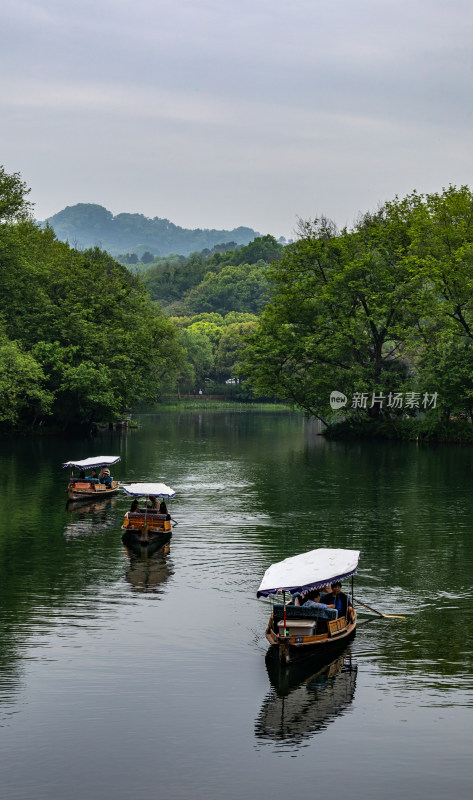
{"x": 149, "y": 566}
{"x": 89, "y": 517}
{"x": 304, "y": 698}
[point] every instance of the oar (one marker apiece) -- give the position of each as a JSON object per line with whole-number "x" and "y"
{"x": 391, "y": 616}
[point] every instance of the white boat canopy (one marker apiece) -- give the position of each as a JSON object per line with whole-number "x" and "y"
{"x": 148, "y": 490}
{"x": 311, "y": 570}
{"x": 92, "y": 463}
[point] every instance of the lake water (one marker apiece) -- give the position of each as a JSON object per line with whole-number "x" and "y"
{"x": 127, "y": 677}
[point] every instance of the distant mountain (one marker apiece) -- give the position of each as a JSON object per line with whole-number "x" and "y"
{"x": 88, "y": 225}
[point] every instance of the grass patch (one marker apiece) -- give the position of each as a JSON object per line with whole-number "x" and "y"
{"x": 211, "y": 405}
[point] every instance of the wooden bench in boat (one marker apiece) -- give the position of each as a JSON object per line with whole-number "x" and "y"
{"x": 89, "y": 486}
{"x": 306, "y": 621}
{"x": 151, "y": 524}
{"x": 336, "y": 626}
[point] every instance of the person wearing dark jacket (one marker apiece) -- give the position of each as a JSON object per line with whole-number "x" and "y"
{"x": 341, "y": 602}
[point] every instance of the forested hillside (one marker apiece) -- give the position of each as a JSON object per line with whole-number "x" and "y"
{"x": 86, "y": 225}
{"x": 221, "y": 282}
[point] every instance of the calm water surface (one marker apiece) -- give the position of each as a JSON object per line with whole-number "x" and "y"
{"x": 125, "y": 676}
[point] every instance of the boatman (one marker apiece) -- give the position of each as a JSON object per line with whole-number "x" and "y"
{"x": 340, "y": 601}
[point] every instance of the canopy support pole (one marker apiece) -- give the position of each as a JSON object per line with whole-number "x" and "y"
{"x": 144, "y": 532}
{"x": 284, "y": 601}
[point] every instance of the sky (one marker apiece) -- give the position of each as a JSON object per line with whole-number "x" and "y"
{"x": 220, "y": 113}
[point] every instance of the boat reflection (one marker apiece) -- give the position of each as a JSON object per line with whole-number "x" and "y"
{"x": 149, "y": 566}
{"x": 90, "y": 517}
{"x": 305, "y": 697}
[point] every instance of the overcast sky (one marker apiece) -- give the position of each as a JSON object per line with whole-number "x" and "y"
{"x": 219, "y": 113}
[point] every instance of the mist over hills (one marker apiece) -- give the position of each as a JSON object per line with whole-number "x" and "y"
{"x": 87, "y": 225}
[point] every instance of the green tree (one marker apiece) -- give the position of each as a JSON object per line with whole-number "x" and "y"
{"x": 198, "y": 359}
{"x": 442, "y": 252}
{"x": 88, "y": 324}
{"x": 243, "y": 288}
{"x": 343, "y": 315}
{"x": 23, "y": 396}
{"x": 239, "y": 316}
{"x": 233, "y": 341}
{"x": 212, "y": 331}
{"x": 13, "y": 203}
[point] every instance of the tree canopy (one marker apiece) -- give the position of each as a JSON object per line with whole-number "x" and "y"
{"x": 221, "y": 281}
{"x": 375, "y": 313}
{"x": 80, "y": 339}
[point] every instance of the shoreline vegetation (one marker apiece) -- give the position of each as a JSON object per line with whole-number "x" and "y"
{"x": 425, "y": 431}
{"x": 170, "y": 405}
{"x": 381, "y": 313}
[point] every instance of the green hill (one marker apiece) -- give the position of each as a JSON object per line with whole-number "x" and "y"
{"x": 87, "y": 225}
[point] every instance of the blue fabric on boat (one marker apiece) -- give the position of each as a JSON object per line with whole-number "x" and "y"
{"x": 303, "y": 612}
{"x": 322, "y": 611}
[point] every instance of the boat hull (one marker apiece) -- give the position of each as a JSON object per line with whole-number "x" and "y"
{"x": 88, "y": 491}
{"x": 146, "y": 528}
{"x": 294, "y": 647}
{"x": 148, "y": 547}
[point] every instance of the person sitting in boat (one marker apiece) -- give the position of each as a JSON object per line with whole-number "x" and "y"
{"x": 163, "y": 507}
{"x": 340, "y": 601}
{"x": 81, "y": 474}
{"x": 134, "y": 508}
{"x": 92, "y": 477}
{"x": 105, "y": 477}
{"x": 153, "y": 506}
{"x": 312, "y": 600}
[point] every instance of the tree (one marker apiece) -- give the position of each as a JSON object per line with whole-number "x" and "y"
{"x": 342, "y": 317}
{"x": 13, "y": 203}
{"x": 243, "y": 288}
{"x": 198, "y": 359}
{"x": 23, "y": 396}
{"x": 231, "y": 345}
{"x": 211, "y": 330}
{"x": 442, "y": 252}
{"x": 88, "y": 325}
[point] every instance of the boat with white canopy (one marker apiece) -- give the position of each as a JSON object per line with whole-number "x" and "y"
{"x": 89, "y": 483}
{"x": 298, "y": 630}
{"x": 152, "y": 521}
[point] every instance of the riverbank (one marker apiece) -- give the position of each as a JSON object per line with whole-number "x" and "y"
{"x": 207, "y": 403}
{"x": 456, "y": 431}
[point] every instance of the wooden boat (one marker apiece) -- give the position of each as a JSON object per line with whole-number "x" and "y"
{"x": 90, "y": 488}
{"x": 146, "y": 524}
{"x": 298, "y": 631}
